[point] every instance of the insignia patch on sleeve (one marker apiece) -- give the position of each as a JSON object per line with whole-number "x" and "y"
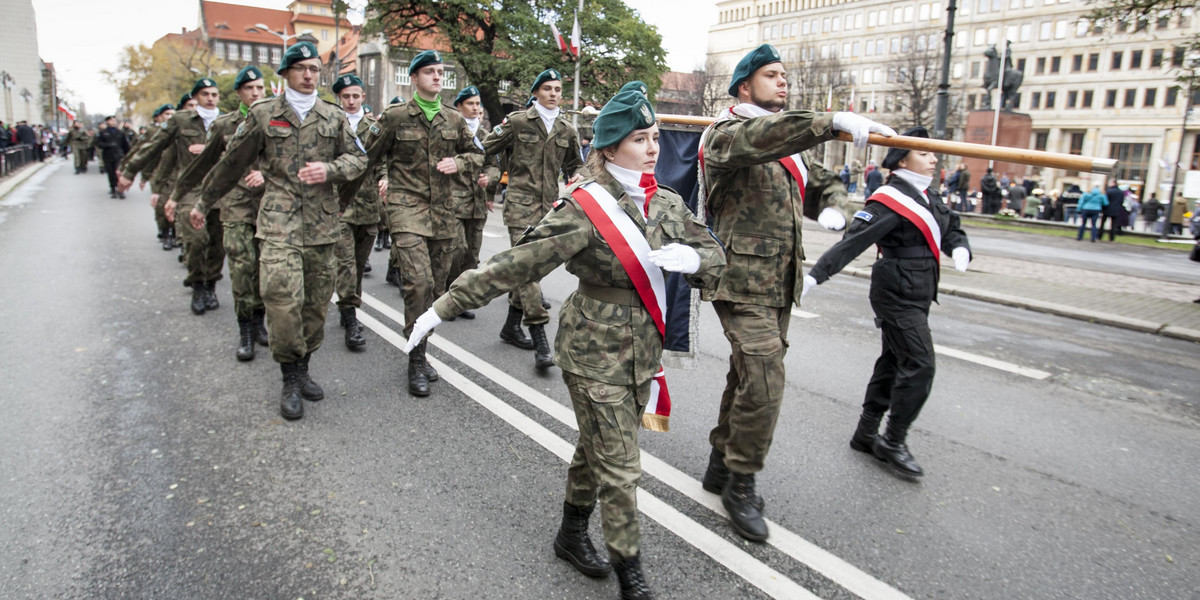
{"x": 864, "y": 215}
{"x": 374, "y": 129}
{"x": 498, "y": 130}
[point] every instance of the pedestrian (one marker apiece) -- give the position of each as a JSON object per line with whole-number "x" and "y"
{"x": 609, "y": 343}
{"x": 1005, "y": 181}
{"x": 585, "y": 147}
{"x": 1033, "y": 204}
{"x": 424, "y": 146}
{"x": 990, "y": 189}
{"x": 856, "y": 170}
{"x": 874, "y": 180}
{"x": 964, "y": 188}
{"x": 1178, "y": 208}
{"x": 844, "y": 175}
{"x": 1114, "y": 211}
{"x": 1090, "y": 206}
{"x": 912, "y": 228}
{"x": 540, "y": 146}
{"x": 237, "y": 213}
{"x": 1016, "y": 198}
{"x": 476, "y": 187}
{"x": 1151, "y": 210}
{"x": 79, "y": 141}
{"x": 757, "y": 187}
{"x": 113, "y": 145}
{"x": 298, "y": 224}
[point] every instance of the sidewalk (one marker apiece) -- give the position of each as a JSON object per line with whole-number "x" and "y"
{"x": 1137, "y": 303}
{"x": 11, "y": 182}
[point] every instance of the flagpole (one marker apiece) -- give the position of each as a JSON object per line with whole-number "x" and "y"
{"x": 578, "y": 59}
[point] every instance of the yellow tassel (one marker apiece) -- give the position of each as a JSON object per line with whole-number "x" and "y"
{"x": 655, "y": 422}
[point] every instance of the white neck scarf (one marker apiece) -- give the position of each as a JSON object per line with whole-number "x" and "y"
{"x": 638, "y": 185}
{"x": 208, "y": 115}
{"x": 355, "y": 118}
{"x": 748, "y": 109}
{"x": 548, "y": 116}
{"x": 473, "y": 123}
{"x": 921, "y": 182}
{"x": 301, "y": 103}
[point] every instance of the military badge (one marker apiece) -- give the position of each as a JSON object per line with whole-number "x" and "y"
{"x": 647, "y": 120}
{"x": 864, "y": 215}
{"x": 305, "y": 52}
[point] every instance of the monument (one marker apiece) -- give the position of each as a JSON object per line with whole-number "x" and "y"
{"x": 1013, "y": 129}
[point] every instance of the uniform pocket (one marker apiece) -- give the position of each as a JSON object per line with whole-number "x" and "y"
{"x": 597, "y": 331}
{"x": 752, "y": 263}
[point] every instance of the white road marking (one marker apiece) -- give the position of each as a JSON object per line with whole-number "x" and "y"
{"x": 831, "y": 566}
{"x": 801, "y": 314}
{"x": 754, "y": 571}
{"x": 991, "y": 362}
{"x": 489, "y": 234}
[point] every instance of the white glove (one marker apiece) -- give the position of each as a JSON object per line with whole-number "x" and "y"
{"x": 859, "y": 127}
{"x": 676, "y": 258}
{"x": 423, "y": 325}
{"x": 832, "y": 219}
{"x": 962, "y": 257}
{"x": 810, "y": 282}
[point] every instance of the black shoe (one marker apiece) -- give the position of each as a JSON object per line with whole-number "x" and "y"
{"x": 387, "y": 241}
{"x": 468, "y": 315}
{"x": 379, "y": 240}
{"x": 162, "y": 233}
{"x": 309, "y": 390}
{"x": 199, "y": 295}
{"x": 511, "y": 333}
{"x": 543, "y": 358}
{"x": 890, "y": 447}
{"x": 738, "y": 500}
{"x": 291, "y": 406}
{"x": 418, "y": 379}
{"x": 633, "y": 582}
{"x": 430, "y": 373}
{"x": 573, "y": 544}
{"x": 112, "y": 193}
{"x": 245, "y": 349}
{"x": 393, "y": 276}
{"x": 864, "y": 436}
{"x": 545, "y": 304}
{"x": 168, "y": 240}
{"x": 716, "y": 476}
{"x": 260, "y": 327}
{"x": 210, "y": 299}
{"x": 120, "y": 195}
{"x": 366, "y": 267}
{"x": 354, "y": 336}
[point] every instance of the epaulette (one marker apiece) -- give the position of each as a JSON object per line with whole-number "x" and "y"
{"x": 331, "y": 103}
{"x": 669, "y": 189}
{"x": 262, "y": 100}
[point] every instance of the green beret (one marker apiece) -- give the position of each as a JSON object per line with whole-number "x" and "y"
{"x": 635, "y": 86}
{"x": 543, "y": 77}
{"x": 202, "y": 83}
{"x": 246, "y": 75}
{"x": 424, "y": 59}
{"x": 366, "y": 108}
{"x": 162, "y": 109}
{"x": 892, "y": 160}
{"x": 758, "y": 58}
{"x": 345, "y": 81}
{"x": 530, "y": 102}
{"x": 397, "y": 100}
{"x": 468, "y": 92}
{"x": 296, "y": 53}
{"x": 183, "y": 100}
{"x": 625, "y": 113}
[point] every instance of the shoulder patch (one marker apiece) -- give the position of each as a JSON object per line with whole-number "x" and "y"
{"x": 499, "y": 129}
{"x": 374, "y": 129}
{"x": 864, "y": 215}
{"x": 559, "y": 204}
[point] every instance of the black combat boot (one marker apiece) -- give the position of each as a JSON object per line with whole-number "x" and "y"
{"x": 545, "y": 303}
{"x": 290, "y": 404}
{"x": 309, "y": 389}
{"x": 354, "y": 336}
{"x": 511, "y": 333}
{"x": 542, "y": 357}
{"x": 393, "y": 276}
{"x": 210, "y": 298}
{"x": 379, "y": 240}
{"x": 738, "y": 498}
{"x": 633, "y": 582}
{"x": 573, "y": 544}
{"x": 430, "y": 372}
{"x": 868, "y": 428}
{"x": 168, "y": 239}
{"x": 418, "y": 379}
{"x": 890, "y": 447}
{"x": 245, "y": 349}
{"x": 717, "y": 475}
{"x": 260, "y": 327}
{"x": 199, "y": 295}
{"x": 366, "y": 267}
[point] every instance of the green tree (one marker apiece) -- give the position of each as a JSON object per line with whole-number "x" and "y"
{"x": 149, "y": 76}
{"x": 510, "y": 40}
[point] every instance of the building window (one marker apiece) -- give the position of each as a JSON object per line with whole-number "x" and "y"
{"x": 1130, "y": 97}
{"x": 233, "y": 51}
{"x": 1093, "y": 62}
{"x": 1035, "y": 101}
{"x": 1072, "y": 99}
{"x": 971, "y": 102}
{"x": 1110, "y": 99}
{"x": 276, "y": 55}
{"x": 1026, "y": 32}
{"x": 1196, "y": 154}
{"x": 1016, "y": 101}
{"x": 1044, "y": 30}
{"x": 1021, "y": 65}
{"x": 1040, "y": 69}
{"x": 247, "y": 53}
{"x": 1055, "y": 64}
{"x": 1077, "y": 63}
{"x": 1132, "y": 160}
{"x": 310, "y": 8}
{"x": 1135, "y": 59}
{"x": 371, "y": 72}
{"x": 219, "y": 48}
{"x": 449, "y": 80}
{"x": 1172, "y": 96}
{"x": 262, "y": 54}
{"x": 1051, "y": 100}
{"x": 1177, "y": 56}
{"x": 324, "y": 34}
{"x": 402, "y": 77}
{"x": 1115, "y": 65}
{"x": 1060, "y": 30}
{"x": 1040, "y": 139}
{"x": 1150, "y": 97}
{"x": 1087, "y": 99}
{"x": 1076, "y": 144}
{"x": 1156, "y": 58}
{"x": 975, "y": 70}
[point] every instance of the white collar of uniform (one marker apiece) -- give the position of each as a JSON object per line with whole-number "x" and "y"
{"x": 208, "y": 115}
{"x": 473, "y": 123}
{"x": 639, "y": 186}
{"x": 355, "y": 118}
{"x": 301, "y": 103}
{"x": 921, "y": 182}
{"x": 548, "y": 116}
{"x": 750, "y": 110}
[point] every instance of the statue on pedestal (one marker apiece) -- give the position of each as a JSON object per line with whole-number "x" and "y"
{"x": 991, "y": 78}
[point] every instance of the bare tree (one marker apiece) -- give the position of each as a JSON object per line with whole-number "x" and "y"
{"x": 819, "y": 82}
{"x": 714, "y": 93}
{"x": 915, "y": 83}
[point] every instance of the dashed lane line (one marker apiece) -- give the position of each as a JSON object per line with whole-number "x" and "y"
{"x": 994, "y": 363}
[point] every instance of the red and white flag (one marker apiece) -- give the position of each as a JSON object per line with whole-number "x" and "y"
{"x": 62, "y": 107}
{"x": 277, "y": 88}
{"x": 576, "y": 36}
{"x": 558, "y": 38}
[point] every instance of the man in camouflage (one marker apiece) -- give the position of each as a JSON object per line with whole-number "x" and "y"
{"x": 426, "y": 144}
{"x": 758, "y": 192}
{"x": 79, "y": 140}
{"x": 238, "y": 211}
{"x": 166, "y": 231}
{"x": 304, "y": 146}
{"x": 541, "y": 147}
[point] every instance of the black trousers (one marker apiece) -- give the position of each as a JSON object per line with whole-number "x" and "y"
{"x": 1113, "y": 228}
{"x": 110, "y": 169}
{"x": 903, "y": 375}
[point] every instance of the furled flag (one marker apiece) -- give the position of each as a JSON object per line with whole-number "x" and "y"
{"x": 66, "y": 109}
{"x": 277, "y": 88}
{"x": 575, "y": 37}
{"x": 558, "y": 38}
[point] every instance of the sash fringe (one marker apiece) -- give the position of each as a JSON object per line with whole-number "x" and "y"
{"x": 654, "y": 422}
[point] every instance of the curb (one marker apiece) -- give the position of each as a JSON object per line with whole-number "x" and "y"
{"x": 15, "y": 180}
{"x": 1062, "y": 310}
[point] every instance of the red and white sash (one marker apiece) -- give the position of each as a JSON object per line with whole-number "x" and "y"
{"x": 628, "y": 242}
{"x": 794, "y": 164}
{"x": 908, "y": 208}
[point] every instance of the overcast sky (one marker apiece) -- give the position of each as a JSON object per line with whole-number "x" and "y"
{"x": 84, "y": 38}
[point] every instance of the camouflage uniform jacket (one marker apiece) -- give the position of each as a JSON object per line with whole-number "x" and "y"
{"x": 183, "y": 129}
{"x": 241, "y": 204}
{"x": 151, "y": 164}
{"x": 755, "y": 206}
{"x": 364, "y": 209}
{"x": 272, "y": 135}
{"x": 471, "y": 201}
{"x": 419, "y": 196}
{"x": 535, "y": 163}
{"x": 78, "y": 139}
{"x": 617, "y": 344}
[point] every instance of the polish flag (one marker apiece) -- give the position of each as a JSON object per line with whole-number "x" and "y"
{"x": 277, "y": 88}
{"x": 576, "y": 34}
{"x": 66, "y": 109}
{"x": 558, "y": 38}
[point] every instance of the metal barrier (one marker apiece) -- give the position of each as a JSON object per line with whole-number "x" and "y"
{"x": 15, "y": 157}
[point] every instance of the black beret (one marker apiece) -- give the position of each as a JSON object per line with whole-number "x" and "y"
{"x": 424, "y": 59}
{"x": 345, "y": 81}
{"x": 202, "y": 83}
{"x": 296, "y": 53}
{"x": 625, "y": 113}
{"x": 635, "y": 86}
{"x": 895, "y": 155}
{"x": 755, "y": 60}
{"x": 543, "y": 77}
{"x": 162, "y": 109}
{"x": 468, "y": 92}
{"x": 246, "y": 75}
{"x": 183, "y": 100}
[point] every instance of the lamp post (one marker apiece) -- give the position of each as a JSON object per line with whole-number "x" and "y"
{"x": 1193, "y": 63}
{"x": 8, "y": 82}
{"x": 283, "y": 37}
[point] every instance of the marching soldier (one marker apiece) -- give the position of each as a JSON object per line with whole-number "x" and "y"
{"x": 912, "y": 227}
{"x": 304, "y": 146}
{"x": 360, "y": 221}
{"x": 474, "y": 199}
{"x": 80, "y": 141}
{"x": 608, "y": 377}
{"x": 426, "y": 144}
{"x": 113, "y": 146}
{"x": 757, "y": 185}
{"x": 166, "y": 231}
{"x": 238, "y": 211}
{"x": 542, "y": 146}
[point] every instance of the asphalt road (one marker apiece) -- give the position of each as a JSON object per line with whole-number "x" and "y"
{"x": 139, "y": 459}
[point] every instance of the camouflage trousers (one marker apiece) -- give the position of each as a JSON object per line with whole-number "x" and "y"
{"x": 527, "y": 297}
{"x": 204, "y": 252}
{"x": 296, "y": 283}
{"x": 754, "y": 385}
{"x": 424, "y": 265}
{"x": 607, "y": 463}
{"x": 160, "y": 215}
{"x": 81, "y": 157}
{"x": 472, "y": 244}
{"x": 352, "y": 250}
{"x": 242, "y": 250}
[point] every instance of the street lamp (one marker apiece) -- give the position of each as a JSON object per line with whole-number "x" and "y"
{"x": 8, "y": 82}
{"x": 1191, "y": 63}
{"x": 283, "y": 37}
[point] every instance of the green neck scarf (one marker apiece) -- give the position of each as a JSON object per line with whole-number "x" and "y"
{"x": 245, "y": 110}
{"x": 430, "y": 107}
